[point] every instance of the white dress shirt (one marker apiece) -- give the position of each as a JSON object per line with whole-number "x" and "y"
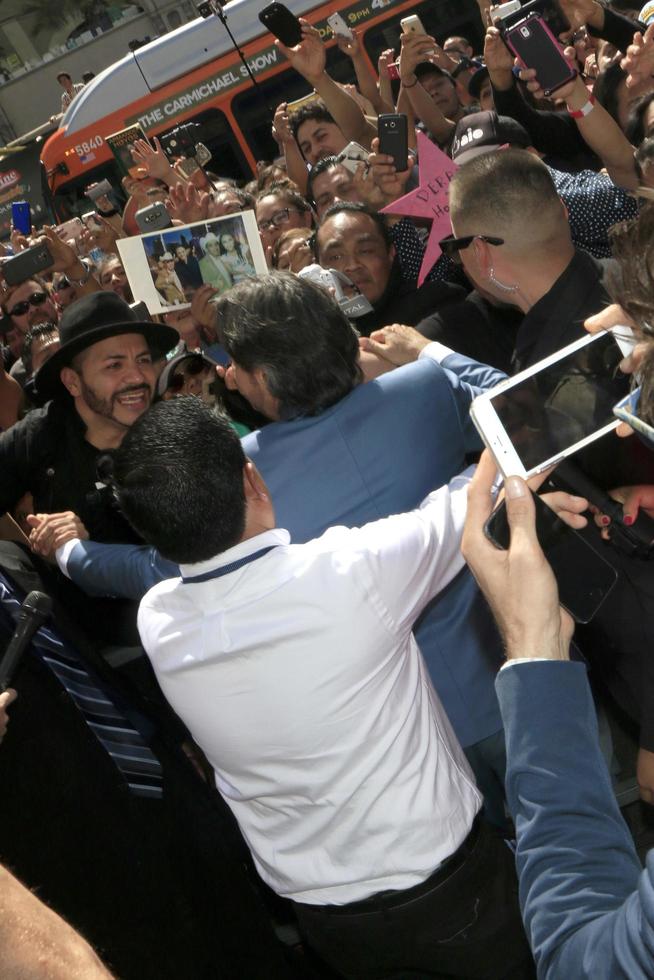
{"x": 299, "y": 677}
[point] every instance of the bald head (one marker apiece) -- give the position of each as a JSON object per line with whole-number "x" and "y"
{"x": 509, "y": 194}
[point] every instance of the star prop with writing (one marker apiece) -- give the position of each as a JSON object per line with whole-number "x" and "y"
{"x": 429, "y": 200}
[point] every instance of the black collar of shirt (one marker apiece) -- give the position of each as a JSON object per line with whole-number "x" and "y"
{"x": 557, "y": 318}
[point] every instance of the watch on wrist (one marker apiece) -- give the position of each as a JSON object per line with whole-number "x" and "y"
{"x": 84, "y": 279}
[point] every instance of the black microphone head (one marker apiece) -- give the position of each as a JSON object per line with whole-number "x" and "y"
{"x": 37, "y": 604}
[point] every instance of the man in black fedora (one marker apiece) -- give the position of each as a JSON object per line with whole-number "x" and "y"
{"x": 97, "y": 384}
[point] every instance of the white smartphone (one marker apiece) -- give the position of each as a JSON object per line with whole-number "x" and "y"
{"x": 504, "y": 10}
{"x": 556, "y": 407}
{"x": 339, "y": 26}
{"x": 412, "y": 25}
{"x": 352, "y": 155}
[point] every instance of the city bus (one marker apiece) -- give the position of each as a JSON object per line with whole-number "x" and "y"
{"x": 195, "y": 74}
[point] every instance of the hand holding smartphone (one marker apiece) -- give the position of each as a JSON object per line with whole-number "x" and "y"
{"x": 394, "y": 138}
{"x": 583, "y": 576}
{"x": 533, "y": 43}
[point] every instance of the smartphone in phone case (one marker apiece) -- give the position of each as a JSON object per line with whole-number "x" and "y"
{"x": 279, "y": 20}
{"x": 339, "y": 26}
{"x": 393, "y": 138}
{"x": 21, "y": 267}
{"x": 536, "y": 47}
{"x": 583, "y": 575}
{"x": 21, "y": 217}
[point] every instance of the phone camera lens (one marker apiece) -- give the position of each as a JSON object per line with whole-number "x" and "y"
{"x": 392, "y": 125}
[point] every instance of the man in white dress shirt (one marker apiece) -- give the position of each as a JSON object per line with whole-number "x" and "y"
{"x": 296, "y": 671}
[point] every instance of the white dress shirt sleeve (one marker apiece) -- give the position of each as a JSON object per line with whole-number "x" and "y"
{"x": 411, "y": 557}
{"x": 62, "y": 554}
{"x": 435, "y": 351}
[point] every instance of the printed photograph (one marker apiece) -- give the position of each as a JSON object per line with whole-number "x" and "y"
{"x": 165, "y": 268}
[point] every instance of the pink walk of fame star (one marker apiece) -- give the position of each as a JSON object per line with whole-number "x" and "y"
{"x": 429, "y": 200}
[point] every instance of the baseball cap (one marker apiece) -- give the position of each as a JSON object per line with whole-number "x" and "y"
{"x": 482, "y": 132}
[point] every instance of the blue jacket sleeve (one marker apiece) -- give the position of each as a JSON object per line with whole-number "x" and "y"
{"x": 124, "y": 570}
{"x": 588, "y": 910}
{"x": 468, "y": 379}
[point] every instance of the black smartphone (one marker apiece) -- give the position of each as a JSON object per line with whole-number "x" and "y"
{"x": 394, "y": 138}
{"x": 584, "y": 577}
{"x": 21, "y": 217}
{"x": 21, "y": 267}
{"x": 536, "y": 46}
{"x": 279, "y": 20}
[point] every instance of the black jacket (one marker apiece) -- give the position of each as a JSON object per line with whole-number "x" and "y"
{"x": 47, "y": 454}
{"x": 403, "y": 302}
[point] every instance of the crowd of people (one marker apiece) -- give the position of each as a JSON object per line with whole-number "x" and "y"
{"x": 293, "y": 714}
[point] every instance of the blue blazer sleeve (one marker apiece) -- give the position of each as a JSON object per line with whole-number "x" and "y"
{"x": 468, "y": 379}
{"x": 124, "y": 570}
{"x": 588, "y": 909}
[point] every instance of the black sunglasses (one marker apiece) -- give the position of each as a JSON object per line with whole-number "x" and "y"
{"x": 451, "y": 246}
{"x": 36, "y": 299}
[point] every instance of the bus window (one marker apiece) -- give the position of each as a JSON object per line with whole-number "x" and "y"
{"x": 227, "y": 159}
{"x": 70, "y": 201}
{"x": 440, "y": 19}
{"x": 252, "y": 116}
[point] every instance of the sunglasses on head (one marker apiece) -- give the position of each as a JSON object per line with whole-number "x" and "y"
{"x": 451, "y": 246}
{"x": 20, "y": 309}
{"x": 189, "y": 369}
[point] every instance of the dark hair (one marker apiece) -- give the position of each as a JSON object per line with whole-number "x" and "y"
{"x": 630, "y": 283}
{"x": 40, "y": 330}
{"x": 178, "y": 477}
{"x": 352, "y": 207}
{"x": 506, "y": 189}
{"x": 289, "y": 194}
{"x": 270, "y": 175}
{"x": 606, "y": 89}
{"x": 88, "y": 76}
{"x": 425, "y": 68}
{"x": 635, "y": 128}
{"x": 296, "y": 333}
{"x": 313, "y": 110}
{"x": 64, "y": 74}
{"x": 245, "y": 200}
{"x": 325, "y": 164}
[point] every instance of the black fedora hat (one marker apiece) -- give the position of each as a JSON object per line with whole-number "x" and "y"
{"x": 87, "y": 321}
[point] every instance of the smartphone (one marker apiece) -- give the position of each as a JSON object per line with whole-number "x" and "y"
{"x": 339, "y": 26}
{"x": 336, "y": 283}
{"x": 72, "y": 228}
{"x": 394, "y": 71}
{"x": 154, "y": 217}
{"x": 533, "y": 43}
{"x": 412, "y": 25}
{"x": 21, "y": 217}
{"x": 307, "y": 100}
{"x": 498, "y": 14}
{"x": 21, "y": 267}
{"x": 352, "y": 156}
{"x": 279, "y": 20}
{"x": 91, "y": 221}
{"x": 98, "y": 190}
{"x": 188, "y": 166}
{"x": 583, "y": 575}
{"x": 556, "y": 407}
{"x": 394, "y": 138}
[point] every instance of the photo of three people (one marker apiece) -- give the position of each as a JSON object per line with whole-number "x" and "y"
{"x": 178, "y": 260}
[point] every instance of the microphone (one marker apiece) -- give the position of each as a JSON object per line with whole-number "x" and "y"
{"x": 34, "y": 611}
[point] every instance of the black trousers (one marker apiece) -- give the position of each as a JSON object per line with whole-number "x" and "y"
{"x": 463, "y": 922}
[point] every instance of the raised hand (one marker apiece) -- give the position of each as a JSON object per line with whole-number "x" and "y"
{"x": 309, "y": 56}
{"x": 638, "y": 61}
{"x": 152, "y": 159}
{"x": 187, "y": 204}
